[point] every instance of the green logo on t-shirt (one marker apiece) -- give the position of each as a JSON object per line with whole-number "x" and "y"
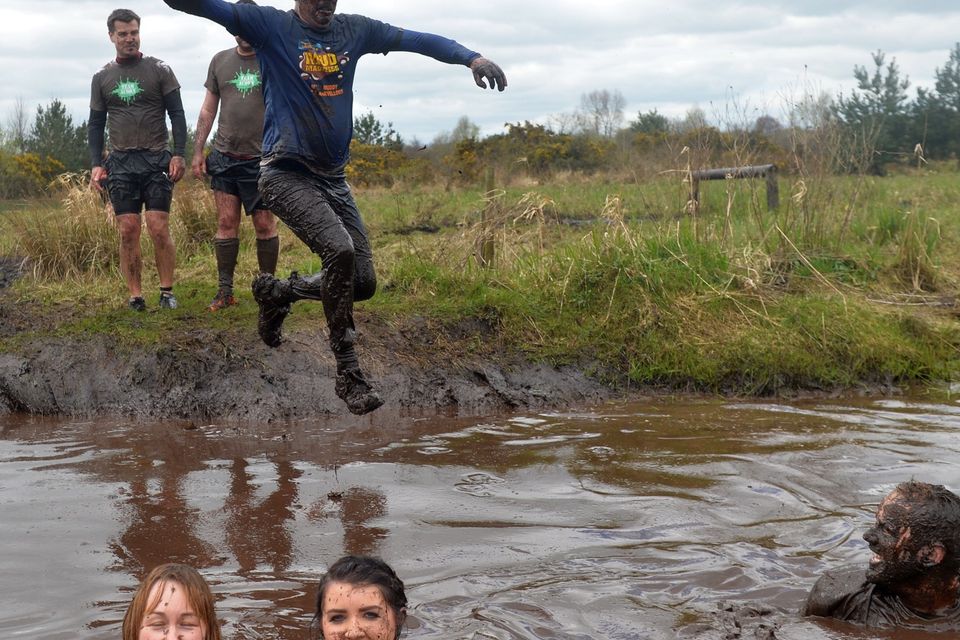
{"x": 245, "y": 81}
{"x": 127, "y": 90}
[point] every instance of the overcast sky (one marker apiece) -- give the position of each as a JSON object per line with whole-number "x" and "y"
{"x": 735, "y": 60}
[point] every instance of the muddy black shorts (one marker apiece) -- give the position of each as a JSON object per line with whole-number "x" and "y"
{"x": 236, "y": 177}
{"x": 138, "y": 180}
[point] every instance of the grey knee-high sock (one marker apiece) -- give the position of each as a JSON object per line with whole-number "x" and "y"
{"x": 227, "y": 250}
{"x": 268, "y": 251}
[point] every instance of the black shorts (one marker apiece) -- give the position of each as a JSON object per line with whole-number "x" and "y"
{"x": 237, "y": 178}
{"x": 138, "y": 180}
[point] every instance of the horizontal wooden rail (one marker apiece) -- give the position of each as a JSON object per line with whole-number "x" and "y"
{"x": 768, "y": 171}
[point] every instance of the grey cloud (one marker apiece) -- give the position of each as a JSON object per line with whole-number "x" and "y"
{"x": 659, "y": 55}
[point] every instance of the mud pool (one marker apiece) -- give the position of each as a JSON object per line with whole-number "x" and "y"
{"x": 623, "y": 522}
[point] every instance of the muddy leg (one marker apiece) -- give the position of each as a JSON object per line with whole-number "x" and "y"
{"x": 364, "y": 277}
{"x": 301, "y": 202}
{"x": 313, "y": 208}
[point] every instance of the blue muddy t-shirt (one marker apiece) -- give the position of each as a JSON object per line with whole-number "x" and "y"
{"x": 308, "y": 74}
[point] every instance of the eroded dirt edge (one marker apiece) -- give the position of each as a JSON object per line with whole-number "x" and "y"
{"x": 203, "y": 374}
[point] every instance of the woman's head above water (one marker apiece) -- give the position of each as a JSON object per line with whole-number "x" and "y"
{"x": 172, "y": 601}
{"x": 360, "y": 597}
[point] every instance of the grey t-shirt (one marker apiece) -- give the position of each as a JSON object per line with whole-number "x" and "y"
{"x": 845, "y": 594}
{"x": 132, "y": 94}
{"x": 237, "y": 81}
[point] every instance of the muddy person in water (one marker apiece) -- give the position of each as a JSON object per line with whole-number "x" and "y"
{"x": 132, "y": 95}
{"x": 360, "y": 597}
{"x": 913, "y": 578}
{"x": 309, "y": 57}
{"x": 172, "y": 601}
{"x": 235, "y": 88}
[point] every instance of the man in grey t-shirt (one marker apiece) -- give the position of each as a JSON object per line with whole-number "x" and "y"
{"x": 133, "y": 94}
{"x": 234, "y": 86}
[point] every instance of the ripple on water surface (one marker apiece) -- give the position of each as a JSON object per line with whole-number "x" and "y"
{"x": 640, "y": 521}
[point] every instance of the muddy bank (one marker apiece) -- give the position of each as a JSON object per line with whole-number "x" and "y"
{"x": 201, "y": 374}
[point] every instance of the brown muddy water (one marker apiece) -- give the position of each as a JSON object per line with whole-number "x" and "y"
{"x": 623, "y": 522}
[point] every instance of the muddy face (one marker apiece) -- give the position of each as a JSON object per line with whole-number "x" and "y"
{"x": 356, "y": 612}
{"x": 126, "y": 38}
{"x": 893, "y": 544}
{"x": 316, "y": 13}
{"x": 172, "y": 616}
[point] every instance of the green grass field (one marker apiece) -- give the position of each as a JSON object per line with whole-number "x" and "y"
{"x": 851, "y": 281}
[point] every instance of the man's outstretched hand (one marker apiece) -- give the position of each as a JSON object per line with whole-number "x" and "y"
{"x": 490, "y": 71}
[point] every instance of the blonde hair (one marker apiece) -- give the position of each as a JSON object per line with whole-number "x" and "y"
{"x": 197, "y": 592}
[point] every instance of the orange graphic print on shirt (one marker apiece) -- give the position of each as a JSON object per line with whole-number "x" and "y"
{"x": 322, "y": 69}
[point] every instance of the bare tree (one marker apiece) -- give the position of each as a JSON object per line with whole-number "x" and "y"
{"x": 602, "y": 112}
{"x": 812, "y": 110}
{"x": 767, "y": 125}
{"x": 565, "y": 122}
{"x": 694, "y": 119}
{"x": 465, "y": 130}
{"x": 18, "y": 126}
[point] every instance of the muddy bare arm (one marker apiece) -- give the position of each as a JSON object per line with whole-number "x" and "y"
{"x": 208, "y": 113}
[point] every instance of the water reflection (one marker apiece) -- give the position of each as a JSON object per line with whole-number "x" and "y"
{"x": 257, "y": 529}
{"x": 626, "y": 522}
{"x": 160, "y": 524}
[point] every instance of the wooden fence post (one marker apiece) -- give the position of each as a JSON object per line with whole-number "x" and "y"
{"x": 487, "y": 245}
{"x": 768, "y": 171}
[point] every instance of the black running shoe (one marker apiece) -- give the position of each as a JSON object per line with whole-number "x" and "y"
{"x": 168, "y": 300}
{"x": 352, "y": 387}
{"x": 273, "y": 297}
{"x": 137, "y": 304}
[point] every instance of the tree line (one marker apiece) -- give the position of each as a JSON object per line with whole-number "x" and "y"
{"x": 879, "y": 122}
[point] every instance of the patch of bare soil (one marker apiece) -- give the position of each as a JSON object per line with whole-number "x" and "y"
{"x": 202, "y": 374}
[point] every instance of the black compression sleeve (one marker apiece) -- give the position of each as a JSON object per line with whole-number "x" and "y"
{"x": 95, "y": 137}
{"x": 178, "y": 121}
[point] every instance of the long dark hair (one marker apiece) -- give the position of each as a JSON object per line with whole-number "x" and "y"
{"x": 364, "y": 570}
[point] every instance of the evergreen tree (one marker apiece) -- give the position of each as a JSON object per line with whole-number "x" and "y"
{"x": 876, "y": 114}
{"x": 53, "y": 135}
{"x": 651, "y": 122}
{"x": 368, "y": 130}
{"x": 936, "y": 113}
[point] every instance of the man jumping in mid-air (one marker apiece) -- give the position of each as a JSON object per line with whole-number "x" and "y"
{"x": 309, "y": 57}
